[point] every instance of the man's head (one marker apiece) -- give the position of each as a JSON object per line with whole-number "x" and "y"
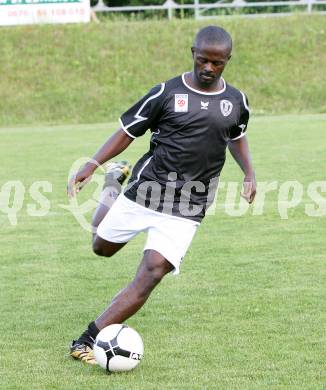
{"x": 211, "y": 52}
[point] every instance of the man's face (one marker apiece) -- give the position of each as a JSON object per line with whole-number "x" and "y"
{"x": 209, "y": 62}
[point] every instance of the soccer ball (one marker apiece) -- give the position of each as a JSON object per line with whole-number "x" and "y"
{"x": 118, "y": 348}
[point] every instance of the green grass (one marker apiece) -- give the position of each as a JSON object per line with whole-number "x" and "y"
{"x": 247, "y": 311}
{"x": 91, "y": 73}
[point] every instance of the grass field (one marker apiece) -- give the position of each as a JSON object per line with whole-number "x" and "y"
{"x": 248, "y": 310}
{"x": 91, "y": 73}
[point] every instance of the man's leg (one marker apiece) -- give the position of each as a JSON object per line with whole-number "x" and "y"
{"x": 114, "y": 178}
{"x": 116, "y": 174}
{"x": 127, "y": 302}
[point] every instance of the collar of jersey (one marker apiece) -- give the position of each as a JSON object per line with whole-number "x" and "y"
{"x": 202, "y": 92}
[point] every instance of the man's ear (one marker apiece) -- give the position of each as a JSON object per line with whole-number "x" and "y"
{"x": 193, "y": 52}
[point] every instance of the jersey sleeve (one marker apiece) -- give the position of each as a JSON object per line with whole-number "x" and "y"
{"x": 142, "y": 115}
{"x": 239, "y": 130}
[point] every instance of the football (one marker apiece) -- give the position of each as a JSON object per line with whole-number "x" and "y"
{"x": 118, "y": 348}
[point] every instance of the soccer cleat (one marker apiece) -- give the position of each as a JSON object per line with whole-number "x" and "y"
{"x": 82, "y": 352}
{"x": 116, "y": 173}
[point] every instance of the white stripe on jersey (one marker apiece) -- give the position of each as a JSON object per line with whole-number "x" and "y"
{"x": 244, "y": 101}
{"x": 138, "y": 117}
{"x": 143, "y": 167}
{"x": 125, "y": 130}
{"x": 239, "y": 136}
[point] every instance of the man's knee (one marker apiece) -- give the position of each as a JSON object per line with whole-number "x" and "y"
{"x": 105, "y": 248}
{"x": 155, "y": 273}
{"x": 99, "y": 250}
{"x": 153, "y": 269}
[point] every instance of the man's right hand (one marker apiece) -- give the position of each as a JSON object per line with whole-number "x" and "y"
{"x": 80, "y": 179}
{"x": 117, "y": 143}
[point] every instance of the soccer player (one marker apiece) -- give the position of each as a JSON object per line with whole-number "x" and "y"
{"x": 193, "y": 118}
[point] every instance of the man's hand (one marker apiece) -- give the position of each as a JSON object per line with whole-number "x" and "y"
{"x": 249, "y": 188}
{"x": 240, "y": 152}
{"x": 117, "y": 143}
{"x": 80, "y": 179}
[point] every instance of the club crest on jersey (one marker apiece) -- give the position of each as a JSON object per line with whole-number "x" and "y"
{"x": 181, "y": 102}
{"x": 226, "y": 107}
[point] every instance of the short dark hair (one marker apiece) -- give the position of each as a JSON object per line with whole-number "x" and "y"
{"x": 213, "y": 35}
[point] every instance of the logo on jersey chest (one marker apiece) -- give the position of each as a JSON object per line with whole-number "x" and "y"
{"x": 204, "y": 105}
{"x": 181, "y": 102}
{"x": 226, "y": 107}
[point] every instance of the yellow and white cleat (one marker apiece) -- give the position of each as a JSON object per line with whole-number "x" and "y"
{"x": 82, "y": 352}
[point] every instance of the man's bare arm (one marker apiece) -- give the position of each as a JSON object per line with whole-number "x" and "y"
{"x": 239, "y": 150}
{"x": 116, "y": 144}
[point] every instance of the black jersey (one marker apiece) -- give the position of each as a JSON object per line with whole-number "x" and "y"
{"x": 190, "y": 132}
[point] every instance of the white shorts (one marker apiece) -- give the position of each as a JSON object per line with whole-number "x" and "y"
{"x": 166, "y": 234}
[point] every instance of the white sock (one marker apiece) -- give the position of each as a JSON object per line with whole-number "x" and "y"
{"x": 109, "y": 196}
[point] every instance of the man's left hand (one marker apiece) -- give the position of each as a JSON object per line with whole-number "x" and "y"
{"x": 249, "y": 188}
